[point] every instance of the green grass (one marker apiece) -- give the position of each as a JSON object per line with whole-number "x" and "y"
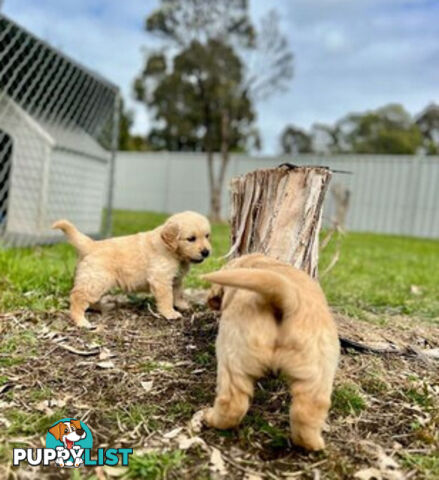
{"x": 150, "y": 366}
{"x": 374, "y": 272}
{"x": 180, "y": 410}
{"x": 347, "y": 399}
{"x": 135, "y": 414}
{"x": 23, "y": 423}
{"x": 155, "y": 466}
{"x": 275, "y": 438}
{"x": 426, "y": 465}
{"x": 421, "y": 396}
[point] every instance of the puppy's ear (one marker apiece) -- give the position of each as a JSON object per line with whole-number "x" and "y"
{"x": 215, "y": 296}
{"x": 76, "y": 424}
{"x": 170, "y": 234}
{"x": 57, "y": 430}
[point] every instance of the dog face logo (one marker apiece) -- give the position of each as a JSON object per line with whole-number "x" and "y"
{"x": 68, "y": 432}
{"x": 69, "y": 437}
{"x": 69, "y": 444}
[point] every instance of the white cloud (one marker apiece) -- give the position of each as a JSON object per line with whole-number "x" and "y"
{"x": 350, "y": 55}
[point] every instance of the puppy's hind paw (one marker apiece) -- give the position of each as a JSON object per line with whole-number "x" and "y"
{"x": 182, "y": 305}
{"x": 172, "y": 315}
{"x": 312, "y": 443}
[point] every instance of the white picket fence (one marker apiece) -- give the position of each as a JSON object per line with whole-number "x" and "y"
{"x": 389, "y": 194}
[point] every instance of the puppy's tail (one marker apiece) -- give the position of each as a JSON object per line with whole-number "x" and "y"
{"x": 81, "y": 242}
{"x": 274, "y": 287}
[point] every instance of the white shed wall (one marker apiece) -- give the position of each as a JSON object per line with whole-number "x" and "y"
{"x": 77, "y": 186}
{"x": 48, "y": 181}
{"x": 30, "y": 154}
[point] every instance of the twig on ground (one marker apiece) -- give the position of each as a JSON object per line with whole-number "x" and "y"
{"x": 82, "y": 353}
{"x": 409, "y": 351}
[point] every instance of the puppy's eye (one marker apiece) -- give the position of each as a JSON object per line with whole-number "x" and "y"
{"x": 73, "y": 429}
{"x": 207, "y": 235}
{"x": 66, "y": 430}
{"x": 191, "y": 239}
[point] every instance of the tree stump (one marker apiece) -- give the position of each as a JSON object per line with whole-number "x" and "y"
{"x": 278, "y": 212}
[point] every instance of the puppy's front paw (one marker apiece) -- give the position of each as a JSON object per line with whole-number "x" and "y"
{"x": 182, "y": 304}
{"x": 171, "y": 315}
{"x": 207, "y": 418}
{"x": 83, "y": 323}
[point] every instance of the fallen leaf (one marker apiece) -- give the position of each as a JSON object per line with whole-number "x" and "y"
{"x": 185, "y": 442}
{"x": 106, "y": 354}
{"x": 216, "y": 462}
{"x": 4, "y": 421}
{"x": 147, "y": 386}
{"x": 107, "y": 364}
{"x": 172, "y": 433}
{"x": 368, "y": 474}
{"x": 431, "y": 352}
{"x": 44, "y": 407}
{"x": 388, "y": 468}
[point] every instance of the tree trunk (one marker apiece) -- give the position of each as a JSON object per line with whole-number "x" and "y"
{"x": 215, "y": 205}
{"x": 216, "y": 183}
{"x": 278, "y": 212}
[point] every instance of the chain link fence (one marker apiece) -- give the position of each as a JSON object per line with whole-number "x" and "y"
{"x": 58, "y": 139}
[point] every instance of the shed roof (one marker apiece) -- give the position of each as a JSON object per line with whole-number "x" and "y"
{"x": 73, "y": 139}
{"x": 53, "y": 88}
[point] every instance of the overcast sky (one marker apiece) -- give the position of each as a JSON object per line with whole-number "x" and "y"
{"x": 350, "y": 55}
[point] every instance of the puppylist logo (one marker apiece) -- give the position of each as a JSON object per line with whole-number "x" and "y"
{"x": 68, "y": 444}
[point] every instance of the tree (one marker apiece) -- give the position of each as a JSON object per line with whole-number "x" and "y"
{"x": 387, "y": 130}
{"x": 428, "y": 123}
{"x": 127, "y": 141}
{"x": 294, "y": 140}
{"x": 324, "y": 138}
{"x": 203, "y": 98}
{"x": 199, "y": 108}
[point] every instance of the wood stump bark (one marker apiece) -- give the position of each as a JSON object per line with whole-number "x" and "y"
{"x": 278, "y": 212}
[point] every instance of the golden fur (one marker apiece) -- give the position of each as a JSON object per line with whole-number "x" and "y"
{"x": 153, "y": 261}
{"x": 274, "y": 317}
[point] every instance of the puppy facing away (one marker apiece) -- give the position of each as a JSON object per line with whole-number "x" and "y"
{"x": 154, "y": 261}
{"x": 274, "y": 317}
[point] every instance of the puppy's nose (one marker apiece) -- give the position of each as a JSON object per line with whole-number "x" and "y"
{"x": 205, "y": 252}
{"x": 80, "y": 431}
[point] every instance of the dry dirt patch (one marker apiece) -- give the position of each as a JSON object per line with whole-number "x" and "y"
{"x": 138, "y": 380}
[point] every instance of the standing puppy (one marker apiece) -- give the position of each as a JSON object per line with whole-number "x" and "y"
{"x": 274, "y": 317}
{"x": 153, "y": 261}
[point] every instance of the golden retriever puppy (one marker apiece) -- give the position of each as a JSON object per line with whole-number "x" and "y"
{"x": 154, "y": 261}
{"x": 274, "y": 317}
